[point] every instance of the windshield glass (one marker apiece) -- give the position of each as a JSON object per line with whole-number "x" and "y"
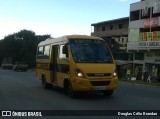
{"x": 88, "y": 51}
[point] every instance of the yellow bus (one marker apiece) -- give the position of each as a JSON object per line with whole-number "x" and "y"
{"x": 77, "y": 63}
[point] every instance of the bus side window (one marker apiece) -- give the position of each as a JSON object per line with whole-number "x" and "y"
{"x": 40, "y": 52}
{"x": 47, "y": 51}
{"x": 63, "y": 54}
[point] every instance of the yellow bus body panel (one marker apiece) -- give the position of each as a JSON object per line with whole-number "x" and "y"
{"x": 83, "y": 84}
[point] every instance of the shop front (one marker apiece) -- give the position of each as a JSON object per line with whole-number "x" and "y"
{"x": 152, "y": 64}
{"x": 122, "y": 67}
{"x": 151, "y": 61}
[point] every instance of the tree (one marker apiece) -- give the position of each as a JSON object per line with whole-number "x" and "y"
{"x": 21, "y": 46}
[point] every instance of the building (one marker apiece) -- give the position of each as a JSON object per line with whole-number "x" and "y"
{"x": 144, "y": 35}
{"x": 115, "y": 32}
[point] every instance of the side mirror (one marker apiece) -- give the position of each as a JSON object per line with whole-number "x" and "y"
{"x": 64, "y": 49}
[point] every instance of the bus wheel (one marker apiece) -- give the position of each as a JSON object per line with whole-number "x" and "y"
{"x": 108, "y": 92}
{"x": 69, "y": 90}
{"x": 45, "y": 84}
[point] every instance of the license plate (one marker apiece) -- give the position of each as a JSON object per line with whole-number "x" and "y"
{"x": 100, "y": 88}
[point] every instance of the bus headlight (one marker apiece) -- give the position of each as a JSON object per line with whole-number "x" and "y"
{"x": 115, "y": 73}
{"x": 79, "y": 73}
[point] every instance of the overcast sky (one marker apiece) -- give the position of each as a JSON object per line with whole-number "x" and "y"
{"x": 58, "y": 17}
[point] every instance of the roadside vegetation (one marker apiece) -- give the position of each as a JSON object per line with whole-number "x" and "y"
{"x": 21, "y": 46}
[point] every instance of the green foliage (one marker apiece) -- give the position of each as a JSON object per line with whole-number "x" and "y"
{"x": 21, "y": 46}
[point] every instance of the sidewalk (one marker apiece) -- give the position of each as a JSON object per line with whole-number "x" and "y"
{"x": 139, "y": 82}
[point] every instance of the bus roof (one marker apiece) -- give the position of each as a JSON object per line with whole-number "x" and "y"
{"x": 65, "y": 39}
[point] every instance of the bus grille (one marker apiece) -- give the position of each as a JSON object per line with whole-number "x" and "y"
{"x": 98, "y": 74}
{"x": 100, "y": 83}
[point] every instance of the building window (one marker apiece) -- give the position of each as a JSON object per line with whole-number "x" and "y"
{"x": 120, "y": 26}
{"x": 122, "y": 40}
{"x": 156, "y": 9}
{"x": 96, "y": 28}
{"x": 139, "y": 56}
{"x": 111, "y": 27}
{"x": 145, "y": 13}
{"x": 134, "y": 15}
{"x": 103, "y": 28}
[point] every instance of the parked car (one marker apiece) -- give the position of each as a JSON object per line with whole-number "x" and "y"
{"x": 20, "y": 66}
{"x": 7, "y": 63}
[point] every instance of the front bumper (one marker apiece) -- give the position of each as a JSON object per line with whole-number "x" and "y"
{"x": 81, "y": 84}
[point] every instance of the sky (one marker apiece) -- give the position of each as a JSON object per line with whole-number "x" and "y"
{"x": 58, "y": 17}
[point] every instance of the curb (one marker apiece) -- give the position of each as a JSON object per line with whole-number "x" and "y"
{"x": 147, "y": 85}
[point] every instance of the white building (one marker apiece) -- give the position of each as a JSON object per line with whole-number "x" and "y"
{"x": 144, "y": 34}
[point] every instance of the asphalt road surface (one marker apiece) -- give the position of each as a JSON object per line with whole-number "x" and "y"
{"x": 22, "y": 91}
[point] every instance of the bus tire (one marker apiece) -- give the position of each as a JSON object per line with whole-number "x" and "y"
{"x": 108, "y": 92}
{"x": 69, "y": 90}
{"x": 45, "y": 85}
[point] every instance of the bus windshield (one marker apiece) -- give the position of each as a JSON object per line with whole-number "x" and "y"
{"x": 90, "y": 51}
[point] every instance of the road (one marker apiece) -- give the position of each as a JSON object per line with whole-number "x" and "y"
{"x": 22, "y": 91}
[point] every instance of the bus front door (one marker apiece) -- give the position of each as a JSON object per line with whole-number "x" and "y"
{"x": 55, "y": 56}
